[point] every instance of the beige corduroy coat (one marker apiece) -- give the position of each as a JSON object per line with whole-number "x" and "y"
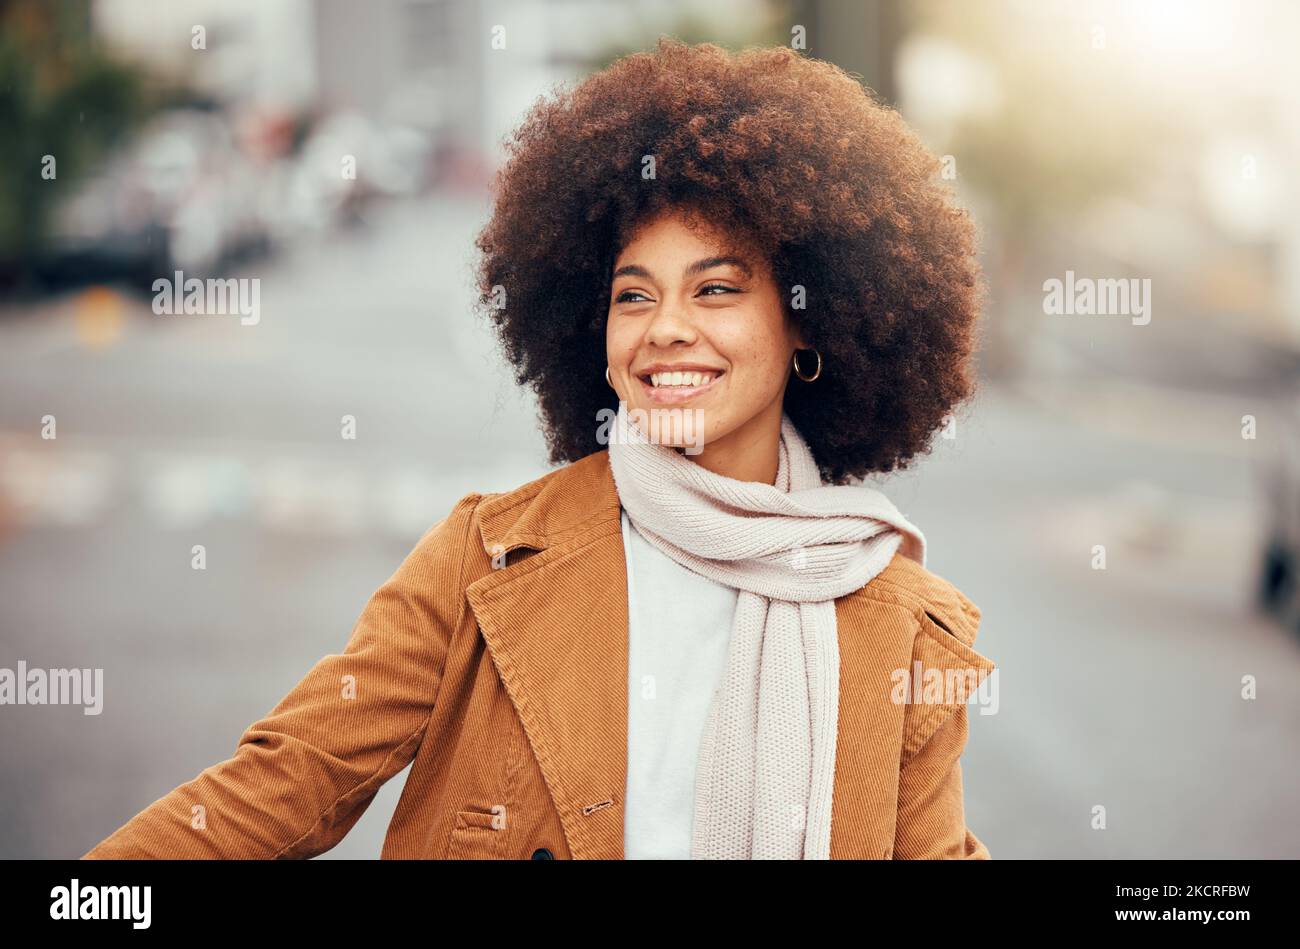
{"x": 495, "y": 660}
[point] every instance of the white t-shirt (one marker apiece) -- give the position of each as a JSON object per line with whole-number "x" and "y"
{"x": 679, "y": 627}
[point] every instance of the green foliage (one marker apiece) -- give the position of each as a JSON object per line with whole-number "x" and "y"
{"x": 60, "y": 95}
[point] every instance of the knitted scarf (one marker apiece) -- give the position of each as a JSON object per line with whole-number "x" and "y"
{"x": 766, "y": 767}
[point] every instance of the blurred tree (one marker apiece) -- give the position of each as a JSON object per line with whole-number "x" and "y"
{"x": 60, "y": 95}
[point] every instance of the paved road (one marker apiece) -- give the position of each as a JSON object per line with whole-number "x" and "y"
{"x": 1117, "y": 688}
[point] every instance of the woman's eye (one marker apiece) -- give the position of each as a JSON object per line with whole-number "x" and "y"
{"x": 627, "y": 295}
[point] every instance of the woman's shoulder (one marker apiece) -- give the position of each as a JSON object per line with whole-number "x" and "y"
{"x": 936, "y": 626}
{"x": 932, "y": 598}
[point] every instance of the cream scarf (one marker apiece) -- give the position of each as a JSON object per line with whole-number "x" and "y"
{"x": 766, "y": 769}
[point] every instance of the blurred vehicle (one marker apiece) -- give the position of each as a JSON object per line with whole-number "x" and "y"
{"x": 1279, "y": 581}
{"x": 181, "y": 196}
{"x": 346, "y": 161}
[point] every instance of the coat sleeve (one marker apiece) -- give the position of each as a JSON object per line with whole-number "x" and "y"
{"x": 931, "y": 821}
{"x": 931, "y": 812}
{"x": 302, "y": 776}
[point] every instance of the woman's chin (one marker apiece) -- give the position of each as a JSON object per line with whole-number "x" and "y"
{"x": 681, "y": 427}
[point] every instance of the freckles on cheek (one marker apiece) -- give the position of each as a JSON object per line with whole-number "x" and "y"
{"x": 619, "y": 350}
{"x": 760, "y": 360}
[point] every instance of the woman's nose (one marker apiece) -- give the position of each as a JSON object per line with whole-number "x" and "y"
{"x": 670, "y": 324}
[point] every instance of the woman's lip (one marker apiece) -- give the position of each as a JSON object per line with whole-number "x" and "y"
{"x": 671, "y": 395}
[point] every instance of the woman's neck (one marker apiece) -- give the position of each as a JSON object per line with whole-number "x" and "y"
{"x": 749, "y": 453}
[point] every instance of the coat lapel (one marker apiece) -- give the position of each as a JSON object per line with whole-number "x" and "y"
{"x": 554, "y": 617}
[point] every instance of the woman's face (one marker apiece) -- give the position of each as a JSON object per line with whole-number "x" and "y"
{"x": 678, "y": 305}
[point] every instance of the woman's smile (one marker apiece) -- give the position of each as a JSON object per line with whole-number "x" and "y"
{"x": 670, "y": 385}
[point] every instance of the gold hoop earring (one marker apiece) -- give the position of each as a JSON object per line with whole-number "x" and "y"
{"x": 607, "y": 382}
{"x": 798, "y": 372}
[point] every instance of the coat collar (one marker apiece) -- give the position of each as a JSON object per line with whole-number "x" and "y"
{"x": 552, "y": 509}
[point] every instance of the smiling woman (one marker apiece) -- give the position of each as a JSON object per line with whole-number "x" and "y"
{"x": 739, "y": 213}
{"x": 654, "y": 651}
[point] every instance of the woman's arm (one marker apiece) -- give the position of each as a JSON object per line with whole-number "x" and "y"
{"x": 931, "y": 822}
{"x": 931, "y": 814}
{"x": 303, "y": 775}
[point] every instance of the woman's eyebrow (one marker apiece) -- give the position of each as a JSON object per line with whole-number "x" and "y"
{"x": 707, "y": 263}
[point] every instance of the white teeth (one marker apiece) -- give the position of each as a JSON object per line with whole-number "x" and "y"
{"x": 692, "y": 379}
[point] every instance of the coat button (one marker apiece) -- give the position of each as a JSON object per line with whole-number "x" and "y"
{"x": 541, "y": 853}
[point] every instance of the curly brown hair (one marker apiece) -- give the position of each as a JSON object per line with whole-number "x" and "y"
{"x": 792, "y": 155}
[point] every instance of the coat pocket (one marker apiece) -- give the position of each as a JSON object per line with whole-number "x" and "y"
{"x": 477, "y": 835}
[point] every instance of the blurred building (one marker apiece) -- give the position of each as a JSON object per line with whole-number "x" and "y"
{"x": 466, "y": 71}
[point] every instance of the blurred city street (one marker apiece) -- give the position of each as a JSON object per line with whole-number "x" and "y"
{"x": 336, "y": 159}
{"x": 1118, "y": 688}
